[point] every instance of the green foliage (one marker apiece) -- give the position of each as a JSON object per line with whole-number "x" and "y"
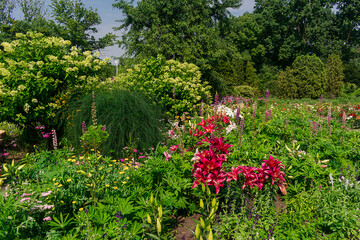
{"x": 245, "y": 33}
{"x": 175, "y": 86}
{"x": 32, "y": 9}
{"x": 6, "y": 9}
{"x": 75, "y": 23}
{"x": 38, "y": 73}
{"x": 244, "y": 91}
{"x": 129, "y": 119}
{"x": 334, "y": 75}
{"x": 286, "y": 84}
{"x": 93, "y": 138}
{"x": 306, "y": 78}
{"x": 352, "y": 72}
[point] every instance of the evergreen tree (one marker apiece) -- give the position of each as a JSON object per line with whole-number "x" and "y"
{"x": 334, "y": 75}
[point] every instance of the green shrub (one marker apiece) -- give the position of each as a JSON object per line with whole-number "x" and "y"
{"x": 286, "y": 84}
{"x": 128, "y": 117}
{"x": 38, "y": 74}
{"x": 244, "y": 91}
{"x": 306, "y": 78}
{"x": 173, "y": 85}
{"x": 334, "y": 76}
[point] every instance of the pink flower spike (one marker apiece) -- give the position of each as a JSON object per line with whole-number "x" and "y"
{"x": 25, "y": 199}
{"x": 47, "y": 219}
{"x": 26, "y": 195}
{"x": 135, "y": 151}
{"x": 45, "y": 194}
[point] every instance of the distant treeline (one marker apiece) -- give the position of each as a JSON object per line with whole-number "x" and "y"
{"x": 294, "y": 48}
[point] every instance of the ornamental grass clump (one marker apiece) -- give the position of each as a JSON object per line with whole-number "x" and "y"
{"x": 129, "y": 119}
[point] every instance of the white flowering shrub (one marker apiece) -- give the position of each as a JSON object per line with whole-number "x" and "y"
{"x": 175, "y": 86}
{"x": 38, "y": 74}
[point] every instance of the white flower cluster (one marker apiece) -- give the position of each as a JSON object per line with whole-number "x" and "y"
{"x": 231, "y": 127}
{"x": 222, "y": 109}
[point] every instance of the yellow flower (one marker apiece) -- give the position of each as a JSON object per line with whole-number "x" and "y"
{"x": 123, "y": 182}
{"x": 56, "y": 183}
{"x": 80, "y": 209}
{"x": 115, "y": 181}
{"x": 127, "y": 177}
{"x": 82, "y": 157}
{"x": 73, "y": 202}
{"x": 114, "y": 160}
{"x": 108, "y": 170}
{"x": 115, "y": 188}
{"x": 54, "y": 179}
{"x": 60, "y": 185}
{"x": 92, "y": 150}
{"x": 73, "y": 160}
{"x": 126, "y": 168}
{"x": 69, "y": 180}
{"x": 110, "y": 165}
{"x": 121, "y": 172}
{"x": 107, "y": 185}
{"x": 126, "y": 159}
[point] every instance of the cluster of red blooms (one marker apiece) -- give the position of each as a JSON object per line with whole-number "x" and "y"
{"x": 208, "y": 163}
{"x": 353, "y": 115}
{"x": 270, "y": 169}
{"x": 208, "y": 125}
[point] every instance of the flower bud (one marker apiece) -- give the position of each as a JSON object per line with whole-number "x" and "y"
{"x": 201, "y": 203}
{"x": 158, "y": 225}
{"x": 148, "y": 218}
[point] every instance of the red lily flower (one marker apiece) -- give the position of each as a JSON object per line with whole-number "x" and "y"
{"x": 209, "y": 128}
{"x": 219, "y": 145}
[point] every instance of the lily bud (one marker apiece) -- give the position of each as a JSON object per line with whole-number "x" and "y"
{"x": 148, "y": 219}
{"x": 210, "y": 237}
{"x": 197, "y": 231}
{"x": 158, "y": 225}
{"x": 160, "y": 211}
{"x": 201, "y": 203}
{"x": 213, "y": 203}
{"x": 202, "y": 223}
{"x": 151, "y": 199}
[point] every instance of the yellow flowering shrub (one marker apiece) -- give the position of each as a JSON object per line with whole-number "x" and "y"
{"x": 174, "y": 85}
{"x": 38, "y": 73}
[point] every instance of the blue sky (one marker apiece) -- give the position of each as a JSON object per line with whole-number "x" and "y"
{"x": 109, "y": 15}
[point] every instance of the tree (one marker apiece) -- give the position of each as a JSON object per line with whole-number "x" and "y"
{"x": 32, "y": 9}
{"x": 298, "y": 27}
{"x": 182, "y": 30}
{"x": 187, "y": 31}
{"x": 334, "y": 75}
{"x": 286, "y": 84}
{"x": 305, "y": 79}
{"x": 247, "y": 34}
{"x": 6, "y": 9}
{"x": 76, "y": 23}
{"x": 349, "y": 15}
